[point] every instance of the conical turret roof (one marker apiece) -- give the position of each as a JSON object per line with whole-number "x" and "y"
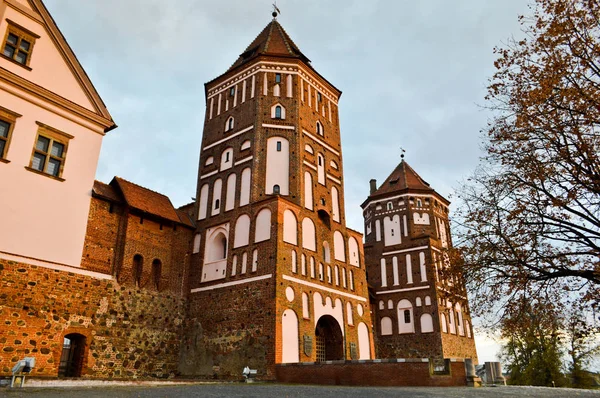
{"x": 403, "y": 179}
{"x": 273, "y": 40}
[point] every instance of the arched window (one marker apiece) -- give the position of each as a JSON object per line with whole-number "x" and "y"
{"x": 278, "y": 111}
{"x": 156, "y": 273}
{"x": 405, "y": 317}
{"x": 381, "y": 305}
{"x": 229, "y": 124}
{"x": 138, "y": 268}
{"x": 226, "y": 159}
{"x": 390, "y": 205}
{"x": 320, "y": 130}
{"x": 276, "y": 189}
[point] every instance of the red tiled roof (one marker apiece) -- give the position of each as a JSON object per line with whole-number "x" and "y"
{"x": 106, "y": 191}
{"x": 146, "y": 200}
{"x": 273, "y": 40}
{"x": 403, "y": 177}
{"x": 185, "y": 218}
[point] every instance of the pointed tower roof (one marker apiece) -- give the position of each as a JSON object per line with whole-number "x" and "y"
{"x": 403, "y": 178}
{"x": 273, "y": 40}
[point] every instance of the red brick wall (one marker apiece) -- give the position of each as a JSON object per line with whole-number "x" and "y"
{"x": 130, "y": 332}
{"x": 370, "y": 373}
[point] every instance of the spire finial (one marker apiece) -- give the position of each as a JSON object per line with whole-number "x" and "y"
{"x": 276, "y": 10}
{"x": 402, "y": 153}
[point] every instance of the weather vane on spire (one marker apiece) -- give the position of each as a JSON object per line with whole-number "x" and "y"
{"x": 402, "y": 153}
{"x": 276, "y": 10}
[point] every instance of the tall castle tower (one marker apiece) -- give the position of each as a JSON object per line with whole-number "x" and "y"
{"x": 407, "y": 235}
{"x": 276, "y": 277}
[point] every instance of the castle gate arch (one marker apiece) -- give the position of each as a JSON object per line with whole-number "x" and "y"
{"x": 329, "y": 342}
{"x": 72, "y": 356}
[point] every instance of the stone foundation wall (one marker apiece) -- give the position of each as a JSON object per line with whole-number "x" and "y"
{"x": 130, "y": 333}
{"x": 230, "y": 328}
{"x": 413, "y": 372}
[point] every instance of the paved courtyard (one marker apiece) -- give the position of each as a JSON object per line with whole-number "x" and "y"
{"x": 279, "y": 390}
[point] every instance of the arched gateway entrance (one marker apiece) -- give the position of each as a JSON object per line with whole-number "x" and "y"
{"x": 71, "y": 359}
{"x": 329, "y": 339}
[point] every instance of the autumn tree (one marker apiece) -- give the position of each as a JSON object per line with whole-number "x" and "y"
{"x": 529, "y": 217}
{"x": 582, "y": 341}
{"x": 532, "y": 352}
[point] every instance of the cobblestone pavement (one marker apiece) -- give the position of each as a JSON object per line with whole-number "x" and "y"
{"x": 279, "y": 390}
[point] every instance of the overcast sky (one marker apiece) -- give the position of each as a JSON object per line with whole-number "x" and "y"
{"x": 413, "y": 75}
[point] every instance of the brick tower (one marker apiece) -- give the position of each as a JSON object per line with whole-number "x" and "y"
{"x": 407, "y": 235}
{"x": 276, "y": 277}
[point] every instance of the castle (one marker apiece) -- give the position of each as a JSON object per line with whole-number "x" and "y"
{"x": 110, "y": 280}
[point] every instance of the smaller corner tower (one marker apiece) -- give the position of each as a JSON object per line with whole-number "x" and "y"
{"x": 407, "y": 236}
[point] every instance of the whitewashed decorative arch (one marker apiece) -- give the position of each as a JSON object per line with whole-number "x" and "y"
{"x": 386, "y": 326}
{"x": 290, "y": 352}
{"x": 335, "y": 204}
{"x": 278, "y": 166}
{"x": 262, "y": 230}
{"x": 443, "y": 323}
{"x": 459, "y": 319}
{"x": 245, "y": 145}
{"x": 226, "y": 159}
{"x": 281, "y": 111}
{"x": 320, "y": 169}
{"x": 254, "y": 260}
{"x": 230, "y": 196}
{"x": 203, "y": 202}
{"x": 309, "y": 149}
{"x": 353, "y": 252}
{"x": 216, "y": 200}
{"x": 242, "y": 231}
{"x": 326, "y": 252}
{"x": 426, "y": 323}
{"x": 339, "y": 248}
{"x": 381, "y": 305}
{"x": 364, "y": 345}
{"x": 210, "y": 160}
{"x": 290, "y": 227}
{"x": 308, "y": 235}
{"x": 320, "y": 129}
{"x": 308, "y": 191}
{"x": 349, "y": 315}
{"x": 427, "y": 300}
{"x": 245, "y": 187}
{"x": 391, "y": 230}
{"x": 334, "y": 165}
{"x": 197, "y": 240}
{"x": 230, "y": 123}
{"x": 305, "y": 306}
{"x": 406, "y": 322}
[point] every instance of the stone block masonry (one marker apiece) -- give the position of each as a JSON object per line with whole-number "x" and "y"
{"x": 130, "y": 333}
